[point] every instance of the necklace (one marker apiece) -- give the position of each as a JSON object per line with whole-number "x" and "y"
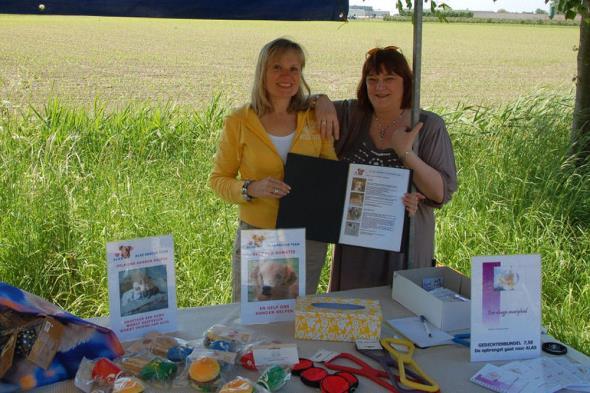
{"x": 383, "y": 128}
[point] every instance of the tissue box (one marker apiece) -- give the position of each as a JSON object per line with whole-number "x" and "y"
{"x": 337, "y": 319}
{"x": 409, "y": 292}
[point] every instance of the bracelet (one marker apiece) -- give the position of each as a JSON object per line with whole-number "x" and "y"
{"x": 405, "y": 155}
{"x": 313, "y": 100}
{"x": 245, "y": 196}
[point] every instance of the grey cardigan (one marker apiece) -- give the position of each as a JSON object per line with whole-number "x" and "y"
{"x": 433, "y": 146}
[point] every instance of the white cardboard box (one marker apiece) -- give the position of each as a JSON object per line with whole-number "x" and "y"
{"x": 408, "y": 291}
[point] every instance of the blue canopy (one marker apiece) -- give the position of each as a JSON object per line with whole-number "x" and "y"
{"x": 336, "y": 10}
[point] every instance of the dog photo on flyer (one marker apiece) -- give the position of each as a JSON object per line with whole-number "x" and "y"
{"x": 142, "y": 286}
{"x": 272, "y": 274}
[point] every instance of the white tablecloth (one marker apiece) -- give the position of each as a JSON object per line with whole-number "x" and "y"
{"x": 449, "y": 365}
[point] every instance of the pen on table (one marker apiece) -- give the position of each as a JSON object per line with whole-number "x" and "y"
{"x": 423, "y": 320}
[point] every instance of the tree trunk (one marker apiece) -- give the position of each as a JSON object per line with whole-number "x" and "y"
{"x": 581, "y": 124}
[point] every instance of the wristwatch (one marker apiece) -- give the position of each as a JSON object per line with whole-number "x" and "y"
{"x": 245, "y": 195}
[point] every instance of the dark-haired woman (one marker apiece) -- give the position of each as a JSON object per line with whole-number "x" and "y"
{"x": 375, "y": 130}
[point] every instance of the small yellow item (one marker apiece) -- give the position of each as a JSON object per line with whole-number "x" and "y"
{"x": 238, "y": 385}
{"x": 128, "y": 385}
{"x": 204, "y": 370}
{"x": 404, "y": 359}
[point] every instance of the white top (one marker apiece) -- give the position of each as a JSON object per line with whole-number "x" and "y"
{"x": 283, "y": 144}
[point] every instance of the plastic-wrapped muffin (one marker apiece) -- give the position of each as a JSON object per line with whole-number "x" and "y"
{"x": 128, "y": 385}
{"x": 158, "y": 370}
{"x": 134, "y": 364}
{"x": 238, "y": 385}
{"x": 204, "y": 373}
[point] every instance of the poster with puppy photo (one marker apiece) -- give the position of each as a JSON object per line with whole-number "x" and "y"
{"x": 142, "y": 286}
{"x": 272, "y": 274}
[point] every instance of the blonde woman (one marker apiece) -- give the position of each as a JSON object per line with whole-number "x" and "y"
{"x": 249, "y": 164}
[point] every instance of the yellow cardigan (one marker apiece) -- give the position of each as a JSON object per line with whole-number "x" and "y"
{"x": 246, "y": 148}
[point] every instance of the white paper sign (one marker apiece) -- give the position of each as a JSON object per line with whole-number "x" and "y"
{"x": 505, "y": 307}
{"x": 272, "y": 274}
{"x": 414, "y": 329}
{"x": 374, "y": 213}
{"x": 142, "y": 286}
{"x": 275, "y": 354}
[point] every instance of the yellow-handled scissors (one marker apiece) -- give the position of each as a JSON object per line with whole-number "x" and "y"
{"x": 404, "y": 359}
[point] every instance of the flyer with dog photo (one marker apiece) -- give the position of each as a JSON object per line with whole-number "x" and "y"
{"x": 374, "y": 214}
{"x": 272, "y": 274}
{"x": 142, "y": 286}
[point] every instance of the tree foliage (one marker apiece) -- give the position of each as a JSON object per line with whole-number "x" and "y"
{"x": 571, "y": 8}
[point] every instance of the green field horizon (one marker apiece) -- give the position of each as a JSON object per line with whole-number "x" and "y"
{"x": 79, "y": 59}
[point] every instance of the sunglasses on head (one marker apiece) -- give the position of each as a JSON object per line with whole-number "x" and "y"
{"x": 374, "y": 51}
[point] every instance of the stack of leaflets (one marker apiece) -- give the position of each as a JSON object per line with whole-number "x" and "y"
{"x": 540, "y": 375}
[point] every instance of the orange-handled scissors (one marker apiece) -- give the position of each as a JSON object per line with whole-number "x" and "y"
{"x": 405, "y": 360}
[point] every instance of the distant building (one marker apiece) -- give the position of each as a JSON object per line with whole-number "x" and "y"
{"x": 513, "y": 15}
{"x": 365, "y": 12}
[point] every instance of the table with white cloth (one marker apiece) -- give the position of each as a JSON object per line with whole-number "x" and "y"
{"x": 448, "y": 365}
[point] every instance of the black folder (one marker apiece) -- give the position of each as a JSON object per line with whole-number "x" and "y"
{"x": 317, "y": 198}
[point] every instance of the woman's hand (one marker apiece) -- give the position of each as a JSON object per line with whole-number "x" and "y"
{"x": 402, "y": 141}
{"x": 411, "y": 201}
{"x": 268, "y": 188}
{"x": 327, "y": 118}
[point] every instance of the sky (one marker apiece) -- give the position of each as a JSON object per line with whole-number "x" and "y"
{"x": 473, "y": 5}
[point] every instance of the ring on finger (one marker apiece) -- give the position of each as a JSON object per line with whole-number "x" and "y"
{"x": 275, "y": 191}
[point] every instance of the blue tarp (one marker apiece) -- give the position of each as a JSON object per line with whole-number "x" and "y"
{"x": 194, "y": 9}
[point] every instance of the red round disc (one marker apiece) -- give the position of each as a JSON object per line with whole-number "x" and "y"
{"x": 352, "y": 380}
{"x": 335, "y": 384}
{"x": 313, "y": 376}
{"x": 303, "y": 365}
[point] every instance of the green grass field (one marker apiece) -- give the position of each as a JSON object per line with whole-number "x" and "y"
{"x": 189, "y": 61}
{"x": 76, "y": 173}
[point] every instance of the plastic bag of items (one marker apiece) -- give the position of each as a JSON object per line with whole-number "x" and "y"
{"x": 242, "y": 385}
{"x": 103, "y": 376}
{"x": 206, "y": 370}
{"x": 42, "y": 344}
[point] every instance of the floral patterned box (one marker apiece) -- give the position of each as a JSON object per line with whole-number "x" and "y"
{"x": 337, "y": 319}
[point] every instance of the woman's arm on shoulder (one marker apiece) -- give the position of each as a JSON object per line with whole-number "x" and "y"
{"x": 329, "y": 114}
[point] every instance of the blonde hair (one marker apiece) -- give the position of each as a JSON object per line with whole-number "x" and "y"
{"x": 260, "y": 102}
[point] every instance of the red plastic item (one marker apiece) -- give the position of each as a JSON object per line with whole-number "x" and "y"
{"x": 335, "y": 384}
{"x": 354, "y": 381}
{"x": 105, "y": 371}
{"x": 378, "y": 376}
{"x": 247, "y": 361}
{"x": 301, "y": 366}
{"x": 313, "y": 376}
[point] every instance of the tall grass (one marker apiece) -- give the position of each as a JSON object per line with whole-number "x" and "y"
{"x": 73, "y": 179}
{"x": 519, "y": 193}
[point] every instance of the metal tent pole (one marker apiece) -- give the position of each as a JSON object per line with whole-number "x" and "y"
{"x": 417, "y": 65}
